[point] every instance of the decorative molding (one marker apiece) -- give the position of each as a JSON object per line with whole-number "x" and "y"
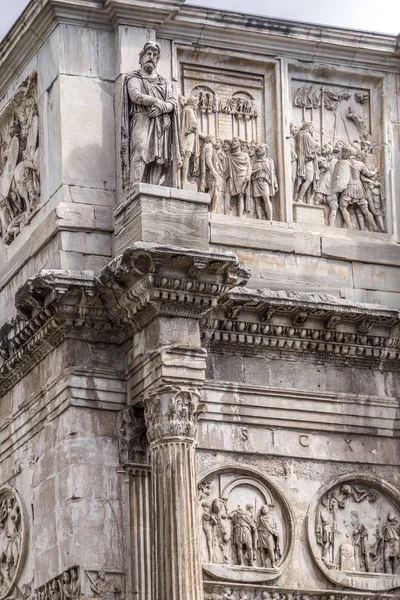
{"x": 51, "y": 307}
{"x": 149, "y": 280}
{"x": 172, "y": 412}
{"x": 294, "y": 323}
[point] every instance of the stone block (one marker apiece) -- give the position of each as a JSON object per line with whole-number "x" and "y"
{"x": 48, "y": 62}
{"x": 83, "y": 195}
{"x": 87, "y": 121}
{"x": 87, "y": 52}
{"x": 87, "y": 243}
{"x": 376, "y": 277}
{"x": 360, "y": 247}
{"x": 308, "y": 213}
{"x": 155, "y": 214}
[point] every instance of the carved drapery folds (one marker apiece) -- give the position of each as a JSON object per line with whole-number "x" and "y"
{"x": 19, "y": 160}
{"x": 354, "y": 532}
{"x": 12, "y": 539}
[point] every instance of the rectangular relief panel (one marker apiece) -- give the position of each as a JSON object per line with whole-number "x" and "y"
{"x": 230, "y": 133}
{"x": 338, "y": 159}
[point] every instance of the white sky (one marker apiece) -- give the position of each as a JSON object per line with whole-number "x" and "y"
{"x": 372, "y": 15}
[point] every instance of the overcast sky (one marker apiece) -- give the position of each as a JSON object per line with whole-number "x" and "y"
{"x": 373, "y": 15}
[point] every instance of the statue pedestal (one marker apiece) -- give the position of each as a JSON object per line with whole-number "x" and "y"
{"x": 162, "y": 215}
{"x": 308, "y": 213}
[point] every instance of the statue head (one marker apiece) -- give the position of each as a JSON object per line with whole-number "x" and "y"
{"x": 264, "y": 509}
{"x": 245, "y": 146}
{"x": 227, "y": 146}
{"x": 391, "y": 517}
{"x": 262, "y": 150}
{"x": 236, "y": 143}
{"x": 354, "y": 517}
{"x": 66, "y": 577}
{"x": 217, "y": 143}
{"x": 205, "y": 506}
{"x": 249, "y": 507}
{"x": 307, "y": 126}
{"x": 192, "y": 101}
{"x": 327, "y": 149}
{"x": 149, "y": 57}
{"x": 293, "y": 129}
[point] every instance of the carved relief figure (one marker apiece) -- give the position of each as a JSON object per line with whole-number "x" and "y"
{"x": 264, "y": 184}
{"x": 307, "y": 166}
{"x": 191, "y": 136}
{"x": 360, "y": 543}
{"x": 64, "y": 587}
{"x": 244, "y": 534}
{"x": 208, "y": 523}
{"x": 323, "y": 187}
{"x": 293, "y": 155}
{"x": 239, "y": 167}
{"x": 19, "y": 161}
{"x": 351, "y": 192}
{"x": 151, "y": 150}
{"x": 103, "y": 587}
{"x": 391, "y": 543}
{"x": 222, "y": 526}
{"x": 325, "y": 530}
{"x": 268, "y": 537}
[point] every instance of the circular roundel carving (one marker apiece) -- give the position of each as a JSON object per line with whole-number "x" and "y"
{"x": 354, "y": 533}
{"x": 246, "y": 526}
{"x": 12, "y": 539}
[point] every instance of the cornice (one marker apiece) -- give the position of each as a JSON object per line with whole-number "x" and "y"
{"x": 279, "y": 37}
{"x": 175, "y": 20}
{"x": 317, "y": 327}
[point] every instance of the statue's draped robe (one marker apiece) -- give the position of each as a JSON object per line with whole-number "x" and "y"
{"x": 152, "y": 140}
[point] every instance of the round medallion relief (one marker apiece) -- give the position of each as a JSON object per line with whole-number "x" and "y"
{"x": 12, "y": 539}
{"x": 354, "y": 533}
{"x": 246, "y": 526}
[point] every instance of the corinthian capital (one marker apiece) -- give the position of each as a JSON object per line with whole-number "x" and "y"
{"x": 172, "y": 412}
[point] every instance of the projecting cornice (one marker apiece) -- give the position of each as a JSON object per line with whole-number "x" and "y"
{"x": 173, "y": 19}
{"x": 291, "y": 324}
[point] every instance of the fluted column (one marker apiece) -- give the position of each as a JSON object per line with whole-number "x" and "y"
{"x": 171, "y": 414}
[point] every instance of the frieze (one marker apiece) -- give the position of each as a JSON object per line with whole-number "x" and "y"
{"x": 105, "y": 585}
{"x": 12, "y": 539}
{"x": 223, "y": 591}
{"x": 19, "y": 161}
{"x": 246, "y": 527}
{"x": 66, "y": 586}
{"x": 354, "y": 532}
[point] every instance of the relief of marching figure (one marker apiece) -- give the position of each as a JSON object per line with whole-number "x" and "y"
{"x": 19, "y": 161}
{"x": 333, "y": 164}
{"x": 357, "y": 531}
{"x": 242, "y": 526}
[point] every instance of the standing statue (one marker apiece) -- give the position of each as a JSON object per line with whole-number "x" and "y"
{"x": 307, "y": 167}
{"x": 391, "y": 543}
{"x": 268, "y": 538}
{"x": 264, "y": 184}
{"x": 293, "y": 156}
{"x": 373, "y": 188}
{"x": 222, "y": 530}
{"x": 239, "y": 167}
{"x": 244, "y": 534}
{"x": 150, "y": 150}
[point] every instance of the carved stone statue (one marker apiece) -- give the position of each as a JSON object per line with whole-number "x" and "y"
{"x": 150, "y": 149}
{"x": 190, "y": 141}
{"x": 323, "y": 187}
{"x": 244, "y": 534}
{"x": 222, "y": 527}
{"x": 325, "y": 530}
{"x": 268, "y": 538}
{"x": 264, "y": 184}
